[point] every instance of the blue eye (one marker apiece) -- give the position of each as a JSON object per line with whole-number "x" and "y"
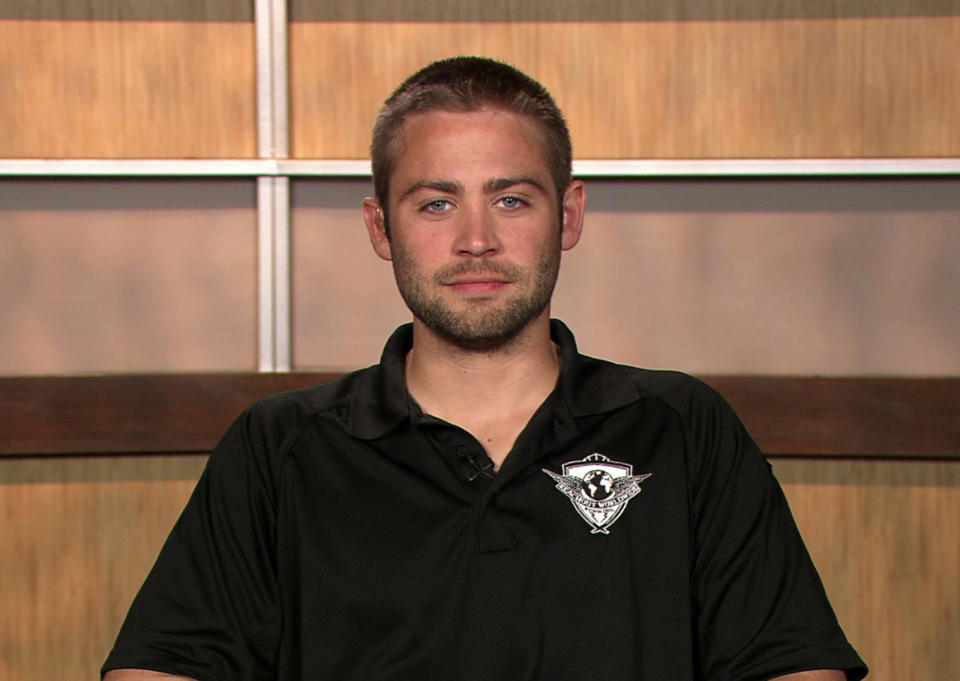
{"x": 511, "y": 202}
{"x": 436, "y": 206}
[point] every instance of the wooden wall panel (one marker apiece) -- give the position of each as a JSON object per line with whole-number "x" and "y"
{"x": 124, "y": 10}
{"x": 77, "y": 537}
{"x": 856, "y": 86}
{"x": 331, "y": 255}
{"x": 127, "y": 89}
{"x": 808, "y": 277}
{"x": 125, "y": 275}
{"x": 600, "y": 10}
{"x": 884, "y": 538}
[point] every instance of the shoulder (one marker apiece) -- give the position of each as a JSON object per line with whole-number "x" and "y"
{"x": 689, "y": 397}
{"x": 284, "y": 415}
{"x": 594, "y": 385}
{"x": 294, "y": 406}
{"x": 715, "y": 439}
{"x": 268, "y": 429}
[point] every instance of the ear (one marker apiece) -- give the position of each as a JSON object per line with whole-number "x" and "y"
{"x": 376, "y": 227}
{"x": 573, "y": 206}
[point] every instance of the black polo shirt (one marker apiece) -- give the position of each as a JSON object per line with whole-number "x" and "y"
{"x": 634, "y": 532}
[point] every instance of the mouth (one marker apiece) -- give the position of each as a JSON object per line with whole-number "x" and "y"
{"x": 477, "y": 285}
{"x": 477, "y": 281}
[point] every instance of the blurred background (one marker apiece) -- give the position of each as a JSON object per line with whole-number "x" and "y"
{"x": 773, "y": 205}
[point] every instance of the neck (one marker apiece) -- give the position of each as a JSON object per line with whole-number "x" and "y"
{"x": 490, "y": 392}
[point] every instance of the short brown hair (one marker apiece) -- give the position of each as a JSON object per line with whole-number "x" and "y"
{"x": 468, "y": 84}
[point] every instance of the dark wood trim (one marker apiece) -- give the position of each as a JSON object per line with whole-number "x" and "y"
{"x": 850, "y": 416}
{"x": 181, "y": 413}
{"x": 149, "y": 413}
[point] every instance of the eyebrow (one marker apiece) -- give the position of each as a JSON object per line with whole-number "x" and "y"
{"x": 436, "y": 185}
{"x": 500, "y": 183}
{"x": 489, "y": 187}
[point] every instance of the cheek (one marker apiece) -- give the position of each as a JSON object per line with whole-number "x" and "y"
{"x": 540, "y": 244}
{"x": 427, "y": 244}
{"x": 414, "y": 258}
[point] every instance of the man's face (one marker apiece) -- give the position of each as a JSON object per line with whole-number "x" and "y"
{"x": 475, "y": 230}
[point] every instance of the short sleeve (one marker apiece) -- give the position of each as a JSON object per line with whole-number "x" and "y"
{"x": 762, "y": 610}
{"x": 209, "y": 608}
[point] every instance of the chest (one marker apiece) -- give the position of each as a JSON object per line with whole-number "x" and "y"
{"x": 395, "y": 550}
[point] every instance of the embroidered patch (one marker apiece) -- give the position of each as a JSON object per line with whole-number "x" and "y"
{"x": 598, "y": 488}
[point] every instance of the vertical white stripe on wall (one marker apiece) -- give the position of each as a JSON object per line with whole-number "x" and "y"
{"x": 273, "y": 193}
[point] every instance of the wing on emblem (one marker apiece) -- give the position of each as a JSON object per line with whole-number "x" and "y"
{"x": 628, "y": 485}
{"x": 568, "y": 484}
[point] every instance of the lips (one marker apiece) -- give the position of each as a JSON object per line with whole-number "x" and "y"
{"x": 479, "y": 279}
{"x": 470, "y": 280}
{"x": 477, "y": 285}
{"x": 465, "y": 274}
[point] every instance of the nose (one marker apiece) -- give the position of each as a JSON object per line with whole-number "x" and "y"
{"x": 477, "y": 234}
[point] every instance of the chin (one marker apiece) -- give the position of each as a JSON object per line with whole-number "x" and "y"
{"x": 484, "y": 332}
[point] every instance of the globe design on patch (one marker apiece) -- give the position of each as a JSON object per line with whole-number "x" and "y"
{"x": 598, "y": 485}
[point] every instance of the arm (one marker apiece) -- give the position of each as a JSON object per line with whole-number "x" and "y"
{"x": 762, "y": 610}
{"x": 208, "y": 608}
{"x": 141, "y": 675}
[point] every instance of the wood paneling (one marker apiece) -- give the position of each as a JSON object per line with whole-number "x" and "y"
{"x": 126, "y": 89}
{"x": 699, "y": 79}
{"x": 188, "y": 413}
{"x": 814, "y": 277}
{"x": 330, "y": 257}
{"x": 127, "y": 275}
{"x": 637, "y": 80}
{"x": 845, "y": 87}
{"x": 115, "y": 414}
{"x": 848, "y": 416}
{"x": 77, "y": 537}
{"x": 884, "y": 537}
{"x": 124, "y": 10}
{"x": 608, "y": 10}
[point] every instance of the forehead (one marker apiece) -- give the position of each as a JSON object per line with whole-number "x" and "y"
{"x": 465, "y": 145}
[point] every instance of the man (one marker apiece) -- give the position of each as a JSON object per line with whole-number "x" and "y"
{"x": 486, "y": 503}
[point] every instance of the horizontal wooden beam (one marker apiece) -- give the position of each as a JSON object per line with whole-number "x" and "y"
{"x": 555, "y": 10}
{"x": 150, "y": 413}
{"x": 181, "y": 413}
{"x": 849, "y": 416}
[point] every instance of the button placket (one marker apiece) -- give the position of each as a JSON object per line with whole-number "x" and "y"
{"x": 490, "y": 539}
{"x": 474, "y": 464}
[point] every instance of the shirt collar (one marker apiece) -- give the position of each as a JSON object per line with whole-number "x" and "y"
{"x": 380, "y": 402}
{"x": 588, "y": 386}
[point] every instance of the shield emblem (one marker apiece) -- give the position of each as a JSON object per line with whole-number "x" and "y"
{"x": 598, "y": 488}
